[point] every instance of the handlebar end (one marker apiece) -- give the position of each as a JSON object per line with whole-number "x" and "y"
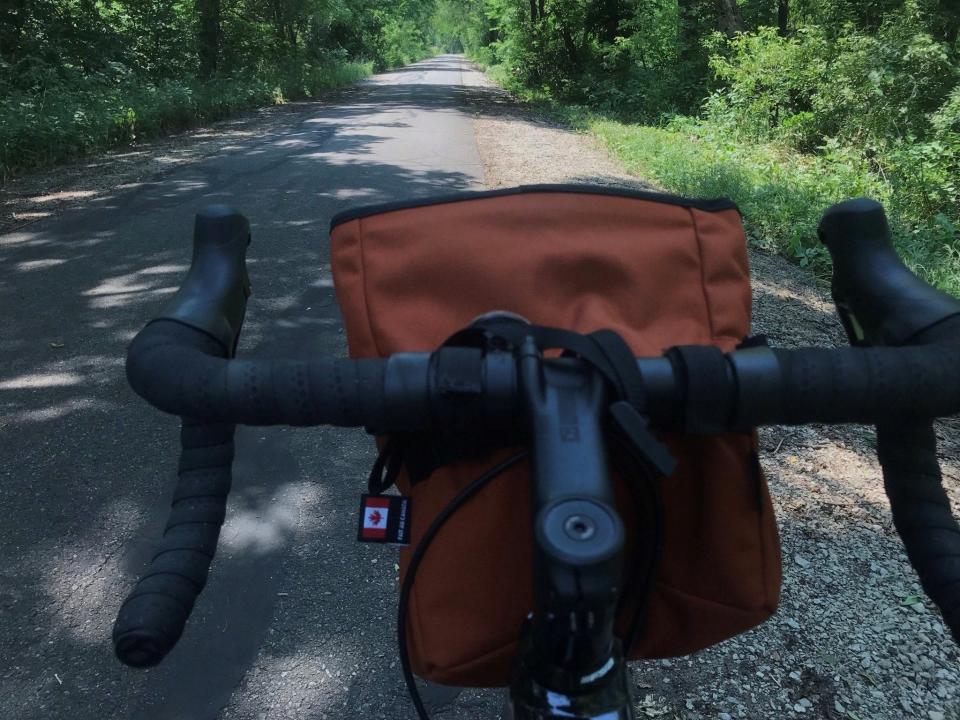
{"x": 152, "y": 618}
{"x": 140, "y": 649}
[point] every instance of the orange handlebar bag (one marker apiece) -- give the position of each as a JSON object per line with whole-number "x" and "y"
{"x": 659, "y": 270}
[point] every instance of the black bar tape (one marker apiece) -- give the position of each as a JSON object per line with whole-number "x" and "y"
{"x": 868, "y": 385}
{"x": 175, "y": 368}
{"x": 921, "y": 512}
{"x": 152, "y": 618}
{"x": 180, "y": 370}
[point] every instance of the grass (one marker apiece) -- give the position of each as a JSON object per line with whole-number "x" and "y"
{"x": 63, "y": 121}
{"x": 782, "y": 193}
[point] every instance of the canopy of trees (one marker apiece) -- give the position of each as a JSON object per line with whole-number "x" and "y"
{"x": 664, "y": 56}
{"x": 161, "y": 39}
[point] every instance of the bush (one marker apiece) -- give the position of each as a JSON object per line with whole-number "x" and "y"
{"x": 869, "y": 91}
{"x": 62, "y": 121}
{"x": 888, "y": 102}
{"x": 782, "y": 193}
{"x": 770, "y": 85}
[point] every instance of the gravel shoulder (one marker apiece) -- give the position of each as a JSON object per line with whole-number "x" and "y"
{"x": 852, "y": 638}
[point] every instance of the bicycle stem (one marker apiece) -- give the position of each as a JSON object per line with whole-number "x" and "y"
{"x": 570, "y": 663}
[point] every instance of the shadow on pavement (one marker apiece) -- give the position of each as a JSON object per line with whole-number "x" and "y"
{"x": 88, "y": 468}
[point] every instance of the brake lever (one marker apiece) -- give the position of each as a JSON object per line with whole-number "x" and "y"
{"x": 213, "y": 297}
{"x": 879, "y": 300}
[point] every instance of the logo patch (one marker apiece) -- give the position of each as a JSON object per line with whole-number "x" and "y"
{"x": 384, "y": 519}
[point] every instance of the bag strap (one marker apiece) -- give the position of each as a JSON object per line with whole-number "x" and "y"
{"x": 386, "y": 468}
{"x": 645, "y": 536}
{"x": 605, "y": 350}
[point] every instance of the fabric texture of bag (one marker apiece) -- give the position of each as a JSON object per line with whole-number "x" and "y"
{"x": 659, "y": 270}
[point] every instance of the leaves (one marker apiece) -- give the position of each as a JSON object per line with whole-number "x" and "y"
{"x": 84, "y": 76}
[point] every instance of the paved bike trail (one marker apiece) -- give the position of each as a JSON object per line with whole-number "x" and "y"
{"x": 298, "y": 619}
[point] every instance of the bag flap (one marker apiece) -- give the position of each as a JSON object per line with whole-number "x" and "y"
{"x": 658, "y": 270}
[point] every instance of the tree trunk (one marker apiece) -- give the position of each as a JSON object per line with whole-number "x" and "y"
{"x": 533, "y": 11}
{"x": 783, "y": 16}
{"x": 279, "y": 29}
{"x": 730, "y": 20}
{"x": 949, "y": 20}
{"x": 542, "y": 8}
{"x": 572, "y": 52}
{"x": 687, "y": 25}
{"x": 603, "y": 19}
{"x": 208, "y": 37}
{"x": 13, "y": 16}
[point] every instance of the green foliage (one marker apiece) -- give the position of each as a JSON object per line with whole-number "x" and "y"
{"x": 78, "y": 75}
{"x": 403, "y": 42}
{"x": 887, "y": 100}
{"x": 454, "y": 26}
{"x": 781, "y": 193}
{"x": 869, "y": 91}
{"x": 785, "y": 113}
{"x": 769, "y": 83}
{"x": 65, "y": 121}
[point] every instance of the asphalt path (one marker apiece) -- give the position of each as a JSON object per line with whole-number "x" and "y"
{"x": 298, "y": 619}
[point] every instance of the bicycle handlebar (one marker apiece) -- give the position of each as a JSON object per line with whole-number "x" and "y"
{"x": 181, "y": 363}
{"x": 174, "y": 368}
{"x": 882, "y": 303}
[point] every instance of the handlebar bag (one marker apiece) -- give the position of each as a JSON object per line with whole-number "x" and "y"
{"x": 659, "y": 270}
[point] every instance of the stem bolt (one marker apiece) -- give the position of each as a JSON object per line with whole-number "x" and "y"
{"x": 580, "y": 527}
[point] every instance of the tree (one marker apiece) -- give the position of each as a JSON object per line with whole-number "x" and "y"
{"x": 13, "y": 15}
{"x": 729, "y": 17}
{"x": 783, "y": 17}
{"x": 208, "y": 36}
{"x": 946, "y": 20}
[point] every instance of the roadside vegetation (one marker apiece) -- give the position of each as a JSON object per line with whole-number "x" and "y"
{"x": 783, "y": 105}
{"x": 82, "y": 75}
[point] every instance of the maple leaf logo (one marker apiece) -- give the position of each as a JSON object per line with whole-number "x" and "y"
{"x": 375, "y": 517}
